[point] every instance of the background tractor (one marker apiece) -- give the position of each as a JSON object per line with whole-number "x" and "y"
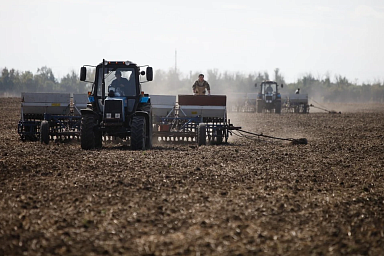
{"x": 268, "y": 97}
{"x": 117, "y": 105}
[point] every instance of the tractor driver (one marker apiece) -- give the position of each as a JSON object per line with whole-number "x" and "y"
{"x": 269, "y": 89}
{"x": 120, "y": 83}
{"x": 200, "y": 86}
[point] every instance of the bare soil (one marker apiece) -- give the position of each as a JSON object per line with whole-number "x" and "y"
{"x": 244, "y": 198}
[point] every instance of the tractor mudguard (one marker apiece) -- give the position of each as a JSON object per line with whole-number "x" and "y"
{"x": 86, "y": 111}
{"x": 146, "y": 115}
{"x": 141, "y": 113}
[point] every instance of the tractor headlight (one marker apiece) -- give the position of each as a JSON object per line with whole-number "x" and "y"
{"x": 117, "y": 115}
{"x": 108, "y": 115}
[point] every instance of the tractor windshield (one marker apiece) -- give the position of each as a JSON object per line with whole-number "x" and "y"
{"x": 119, "y": 80}
{"x": 268, "y": 89}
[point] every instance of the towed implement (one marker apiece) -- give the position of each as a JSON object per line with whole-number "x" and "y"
{"x": 242, "y": 102}
{"x": 194, "y": 118}
{"x": 198, "y": 119}
{"x": 49, "y": 116}
{"x": 296, "y": 103}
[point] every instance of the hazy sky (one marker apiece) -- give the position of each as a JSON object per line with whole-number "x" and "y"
{"x": 340, "y": 37}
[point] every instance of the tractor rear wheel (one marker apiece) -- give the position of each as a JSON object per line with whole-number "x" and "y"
{"x": 138, "y": 133}
{"x": 44, "y": 132}
{"x": 202, "y": 134}
{"x": 87, "y": 132}
{"x": 278, "y": 108}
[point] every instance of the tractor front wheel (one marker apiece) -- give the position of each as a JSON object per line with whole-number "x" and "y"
{"x": 138, "y": 133}
{"x": 278, "y": 108}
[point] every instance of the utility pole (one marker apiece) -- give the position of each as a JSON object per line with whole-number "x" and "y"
{"x": 175, "y": 60}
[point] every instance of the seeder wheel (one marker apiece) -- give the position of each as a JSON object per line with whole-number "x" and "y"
{"x": 44, "y": 132}
{"x": 202, "y": 134}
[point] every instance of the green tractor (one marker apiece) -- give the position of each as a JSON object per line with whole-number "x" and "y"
{"x": 117, "y": 107}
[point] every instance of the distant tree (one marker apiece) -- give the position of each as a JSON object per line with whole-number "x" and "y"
{"x": 260, "y": 78}
{"x": 14, "y": 80}
{"x": 27, "y": 81}
{"x": 279, "y": 79}
{"x": 214, "y": 77}
{"x": 71, "y": 83}
{"x": 266, "y": 75}
{"x": 6, "y": 80}
{"x": 46, "y": 81}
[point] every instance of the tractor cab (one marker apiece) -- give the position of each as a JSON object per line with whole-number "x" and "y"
{"x": 117, "y": 80}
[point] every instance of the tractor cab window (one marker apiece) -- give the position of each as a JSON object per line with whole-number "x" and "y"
{"x": 269, "y": 89}
{"x": 121, "y": 81}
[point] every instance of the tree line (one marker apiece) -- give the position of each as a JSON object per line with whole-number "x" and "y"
{"x": 325, "y": 88}
{"x": 13, "y": 82}
{"x": 172, "y": 81}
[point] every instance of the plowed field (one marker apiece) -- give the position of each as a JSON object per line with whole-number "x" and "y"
{"x": 244, "y": 198}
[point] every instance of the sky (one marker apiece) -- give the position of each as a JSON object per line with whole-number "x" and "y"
{"x": 338, "y": 37}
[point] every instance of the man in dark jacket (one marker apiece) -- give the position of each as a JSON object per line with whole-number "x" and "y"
{"x": 120, "y": 84}
{"x": 201, "y": 86}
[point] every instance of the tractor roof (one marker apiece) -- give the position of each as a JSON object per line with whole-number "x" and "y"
{"x": 127, "y": 62}
{"x": 268, "y": 82}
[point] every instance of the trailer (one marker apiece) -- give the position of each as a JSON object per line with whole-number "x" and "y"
{"x": 49, "y": 116}
{"x": 296, "y": 103}
{"x": 192, "y": 119}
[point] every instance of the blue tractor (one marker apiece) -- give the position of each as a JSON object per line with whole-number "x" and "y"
{"x": 117, "y": 107}
{"x": 268, "y": 98}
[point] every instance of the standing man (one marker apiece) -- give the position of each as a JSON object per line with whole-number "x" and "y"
{"x": 200, "y": 86}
